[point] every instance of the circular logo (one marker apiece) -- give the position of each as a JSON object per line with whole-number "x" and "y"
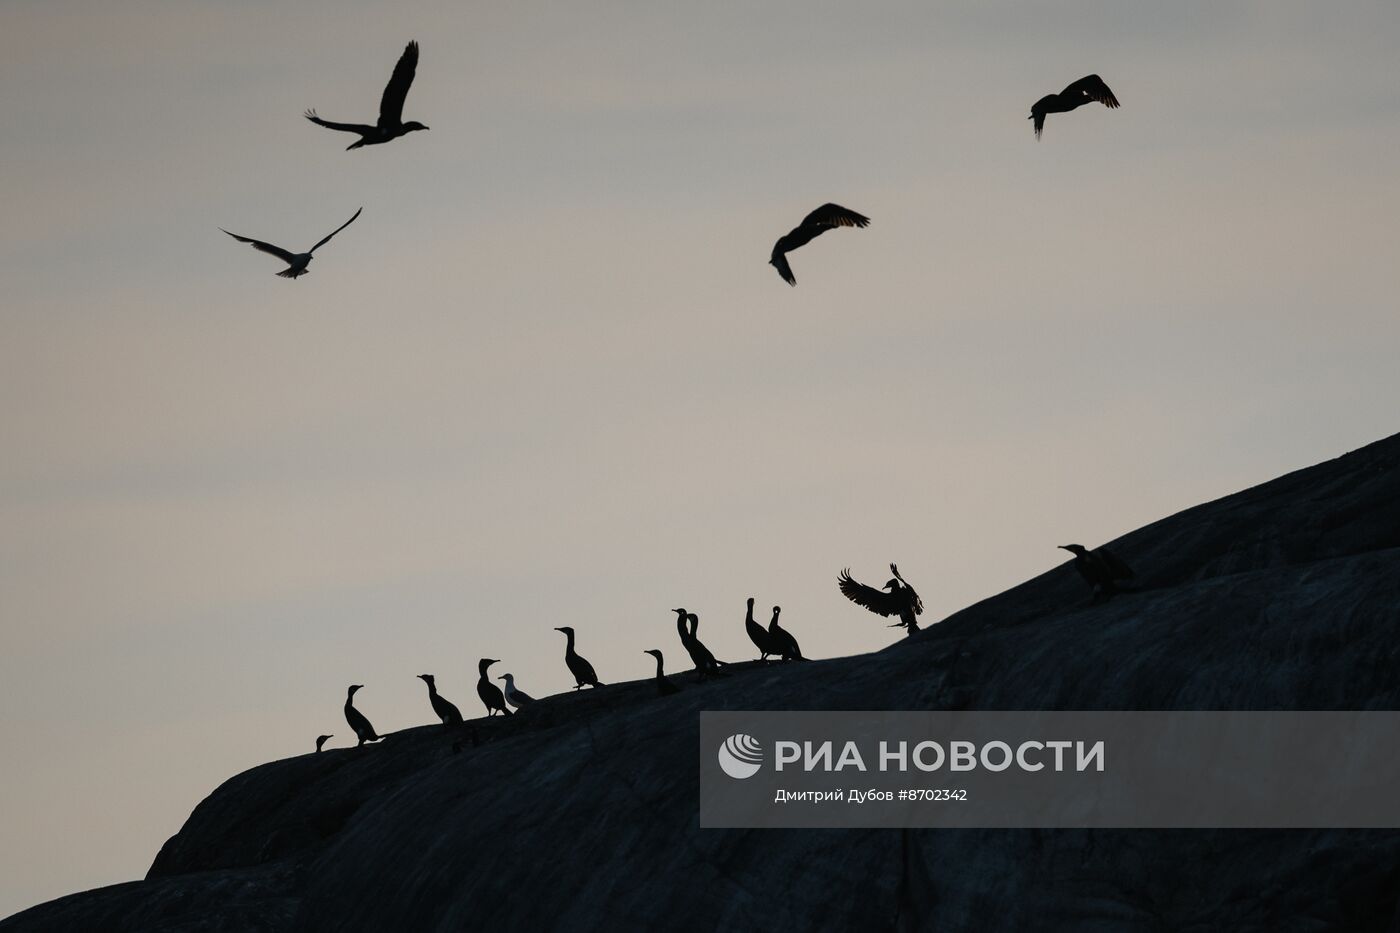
{"x": 741, "y": 756}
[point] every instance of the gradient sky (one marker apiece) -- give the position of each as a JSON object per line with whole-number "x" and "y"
{"x": 549, "y": 378}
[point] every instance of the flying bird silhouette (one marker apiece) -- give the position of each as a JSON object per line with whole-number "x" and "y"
{"x": 813, "y": 225}
{"x": 1086, "y": 90}
{"x": 296, "y": 262}
{"x": 390, "y": 125}
{"x": 901, "y": 600}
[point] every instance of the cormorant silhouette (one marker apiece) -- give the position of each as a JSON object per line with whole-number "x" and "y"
{"x": 1086, "y": 90}
{"x": 446, "y": 711}
{"x": 783, "y": 642}
{"x": 901, "y": 600}
{"x": 705, "y": 663}
{"x": 581, "y": 669}
{"x": 813, "y": 225}
{"x": 759, "y": 635}
{"x": 358, "y": 723}
{"x": 390, "y": 125}
{"x": 296, "y": 262}
{"x": 1100, "y": 568}
{"x": 490, "y": 694}
{"x": 321, "y": 740}
{"x": 514, "y": 695}
{"x": 664, "y": 687}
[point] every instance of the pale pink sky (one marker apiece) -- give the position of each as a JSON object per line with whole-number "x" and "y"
{"x": 548, "y": 377}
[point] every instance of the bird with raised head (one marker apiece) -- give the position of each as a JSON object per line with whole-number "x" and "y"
{"x": 583, "y": 671}
{"x": 490, "y": 694}
{"x": 664, "y": 687}
{"x": 445, "y": 709}
{"x": 357, "y": 720}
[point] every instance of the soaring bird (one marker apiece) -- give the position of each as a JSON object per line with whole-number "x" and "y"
{"x": 490, "y": 694}
{"x": 759, "y": 635}
{"x": 664, "y": 687}
{"x": 783, "y": 642}
{"x": 813, "y": 225}
{"x": 321, "y": 740}
{"x": 1100, "y": 568}
{"x": 581, "y": 669}
{"x": 1086, "y": 90}
{"x": 901, "y": 600}
{"x": 445, "y": 710}
{"x": 514, "y": 695}
{"x": 358, "y": 723}
{"x": 296, "y": 262}
{"x": 390, "y": 125}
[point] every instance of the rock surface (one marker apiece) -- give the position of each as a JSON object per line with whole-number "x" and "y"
{"x": 582, "y": 815}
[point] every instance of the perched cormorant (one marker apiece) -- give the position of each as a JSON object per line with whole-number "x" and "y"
{"x": 321, "y": 740}
{"x": 514, "y": 695}
{"x": 1086, "y": 90}
{"x": 759, "y": 635}
{"x": 363, "y": 730}
{"x": 1100, "y": 568}
{"x": 390, "y": 125}
{"x": 446, "y": 711}
{"x": 705, "y": 663}
{"x": 901, "y": 600}
{"x": 783, "y": 642}
{"x": 813, "y": 225}
{"x": 490, "y": 694}
{"x": 581, "y": 669}
{"x": 296, "y": 262}
{"x": 664, "y": 687}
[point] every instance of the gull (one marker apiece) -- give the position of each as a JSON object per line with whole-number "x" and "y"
{"x": 296, "y": 262}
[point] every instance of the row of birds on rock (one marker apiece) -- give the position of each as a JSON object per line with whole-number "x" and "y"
{"x": 1100, "y": 568}
{"x": 391, "y": 125}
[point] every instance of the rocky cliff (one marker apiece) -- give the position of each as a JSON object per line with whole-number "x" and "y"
{"x": 582, "y": 815}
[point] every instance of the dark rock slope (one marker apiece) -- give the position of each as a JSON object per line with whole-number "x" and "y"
{"x": 582, "y": 815}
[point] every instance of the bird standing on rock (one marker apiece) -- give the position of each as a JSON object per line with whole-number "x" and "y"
{"x": 581, "y": 669}
{"x": 514, "y": 695}
{"x": 361, "y": 726}
{"x": 490, "y": 694}
{"x": 688, "y": 627}
{"x": 445, "y": 709}
{"x": 1100, "y": 568}
{"x": 901, "y": 600}
{"x": 390, "y": 125}
{"x": 321, "y": 740}
{"x": 759, "y": 635}
{"x": 664, "y": 687}
{"x": 784, "y": 644}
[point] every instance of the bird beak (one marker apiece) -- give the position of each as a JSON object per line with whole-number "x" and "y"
{"x": 1063, "y": 547}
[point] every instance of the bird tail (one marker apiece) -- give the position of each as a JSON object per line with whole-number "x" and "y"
{"x": 292, "y": 273}
{"x": 360, "y": 142}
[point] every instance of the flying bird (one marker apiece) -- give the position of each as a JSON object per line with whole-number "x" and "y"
{"x": 390, "y": 125}
{"x": 813, "y": 225}
{"x": 1086, "y": 90}
{"x": 296, "y": 262}
{"x": 1100, "y": 568}
{"x": 900, "y": 600}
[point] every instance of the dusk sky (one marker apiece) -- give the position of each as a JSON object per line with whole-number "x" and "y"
{"x": 548, "y": 377}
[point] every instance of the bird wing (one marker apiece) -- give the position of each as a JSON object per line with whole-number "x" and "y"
{"x": 1117, "y": 569}
{"x": 834, "y": 215}
{"x": 1092, "y": 86}
{"x": 282, "y": 254}
{"x": 877, "y": 601}
{"x": 914, "y": 599}
{"x": 346, "y": 127}
{"x": 334, "y": 232}
{"x": 521, "y": 696}
{"x": 780, "y": 261}
{"x": 396, "y": 91}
